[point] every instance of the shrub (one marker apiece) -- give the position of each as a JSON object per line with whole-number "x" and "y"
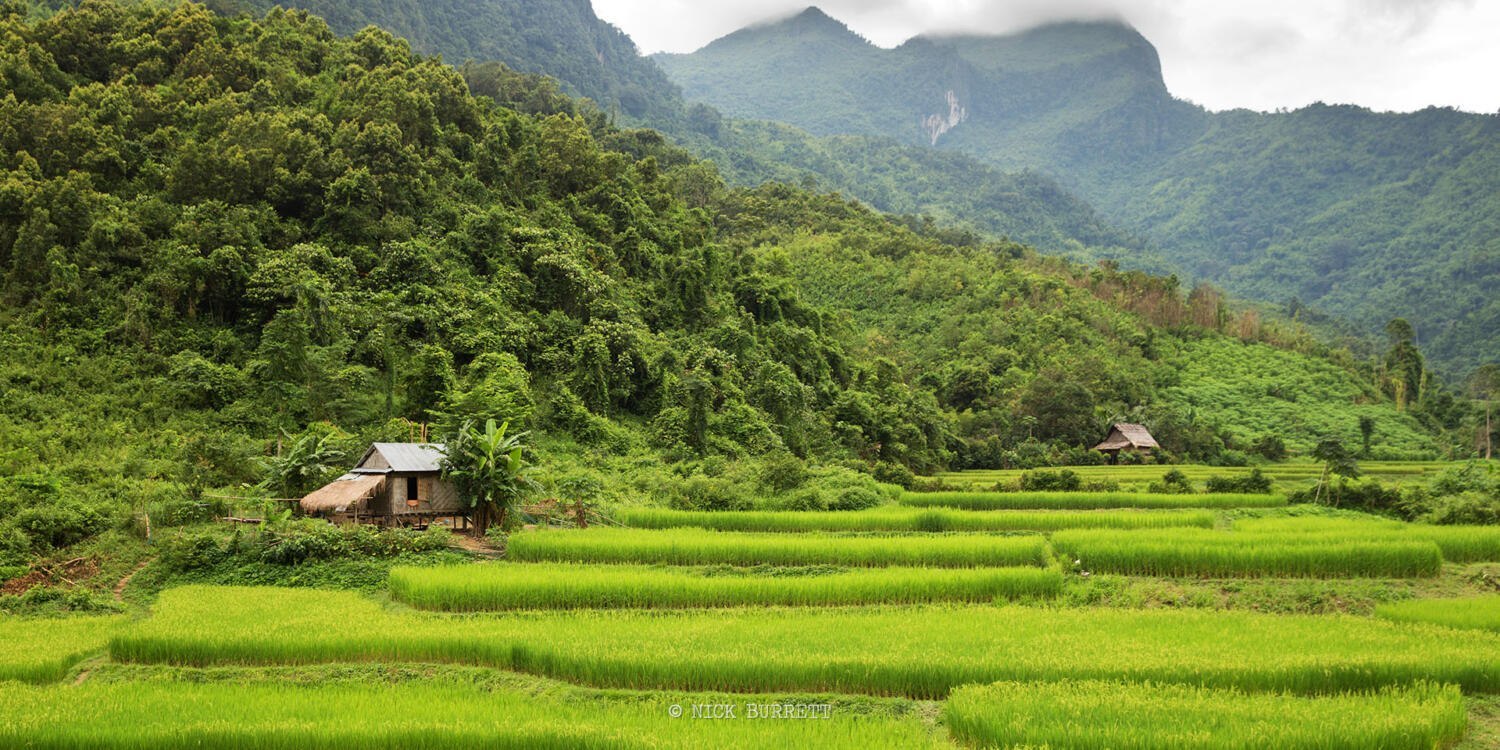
{"x": 1467, "y": 508}
{"x": 1253, "y": 483}
{"x": 1050, "y": 481}
{"x": 1270, "y": 447}
{"x": 699, "y": 492}
{"x": 1174, "y": 482}
{"x": 184, "y": 552}
{"x": 783, "y": 472}
{"x": 890, "y": 472}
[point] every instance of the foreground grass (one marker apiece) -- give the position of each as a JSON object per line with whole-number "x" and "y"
{"x": 486, "y": 587}
{"x": 919, "y": 652}
{"x": 703, "y": 547}
{"x": 899, "y": 519}
{"x": 1146, "y": 717}
{"x": 1480, "y": 612}
{"x": 42, "y": 650}
{"x": 1208, "y": 553}
{"x": 269, "y": 716}
{"x": 1085, "y": 500}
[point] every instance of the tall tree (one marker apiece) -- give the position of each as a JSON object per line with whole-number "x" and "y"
{"x": 1484, "y": 384}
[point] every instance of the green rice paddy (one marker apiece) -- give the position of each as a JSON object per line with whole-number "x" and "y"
{"x": 473, "y": 588}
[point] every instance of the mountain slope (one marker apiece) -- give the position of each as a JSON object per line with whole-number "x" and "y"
{"x": 1367, "y": 215}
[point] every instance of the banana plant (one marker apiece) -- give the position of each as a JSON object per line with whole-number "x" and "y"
{"x": 490, "y": 470}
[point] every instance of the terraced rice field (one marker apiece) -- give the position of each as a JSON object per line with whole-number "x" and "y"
{"x": 1462, "y": 544}
{"x": 1213, "y": 553}
{"x": 701, "y": 547}
{"x": 912, "y": 627}
{"x": 473, "y": 588}
{"x": 1478, "y": 612}
{"x": 44, "y": 650}
{"x": 183, "y": 716}
{"x": 1084, "y": 500}
{"x": 1147, "y": 717}
{"x": 893, "y": 519}
{"x": 918, "y": 652}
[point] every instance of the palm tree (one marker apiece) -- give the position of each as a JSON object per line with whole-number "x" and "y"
{"x": 490, "y": 469}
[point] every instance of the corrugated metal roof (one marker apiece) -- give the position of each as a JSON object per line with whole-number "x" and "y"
{"x": 404, "y": 457}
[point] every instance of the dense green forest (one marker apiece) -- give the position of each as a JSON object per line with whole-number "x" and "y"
{"x": 590, "y": 58}
{"x": 1361, "y": 214}
{"x": 224, "y": 239}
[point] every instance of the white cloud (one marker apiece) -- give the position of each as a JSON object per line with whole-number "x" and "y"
{"x": 1262, "y": 54}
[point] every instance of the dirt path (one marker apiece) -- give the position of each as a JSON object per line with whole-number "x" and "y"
{"x": 120, "y": 587}
{"x": 479, "y": 547}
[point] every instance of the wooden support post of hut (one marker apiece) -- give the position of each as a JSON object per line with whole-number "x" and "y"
{"x": 1128, "y": 438}
{"x": 394, "y": 484}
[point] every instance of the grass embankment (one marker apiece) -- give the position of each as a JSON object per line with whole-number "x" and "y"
{"x": 702, "y": 547}
{"x": 919, "y": 652}
{"x": 1477, "y": 612}
{"x": 1208, "y": 553}
{"x": 912, "y": 519}
{"x": 489, "y": 587}
{"x": 172, "y": 716}
{"x": 1085, "y": 500}
{"x": 1145, "y": 717}
{"x": 44, "y": 650}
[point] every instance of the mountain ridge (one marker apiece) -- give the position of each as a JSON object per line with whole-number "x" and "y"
{"x": 1317, "y": 205}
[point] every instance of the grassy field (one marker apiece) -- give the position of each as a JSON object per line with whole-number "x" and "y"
{"x": 1480, "y": 612}
{"x": 688, "y": 546}
{"x": 473, "y": 588}
{"x": 893, "y": 519}
{"x": 1211, "y": 553}
{"x": 44, "y": 650}
{"x": 1084, "y": 500}
{"x": 172, "y": 715}
{"x": 918, "y": 652}
{"x": 1147, "y": 717}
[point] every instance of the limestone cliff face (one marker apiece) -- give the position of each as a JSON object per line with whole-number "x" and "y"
{"x": 935, "y": 125}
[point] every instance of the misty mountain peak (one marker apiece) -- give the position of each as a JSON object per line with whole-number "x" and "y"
{"x": 811, "y": 24}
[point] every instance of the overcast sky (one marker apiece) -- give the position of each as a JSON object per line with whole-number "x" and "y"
{"x": 1262, "y": 54}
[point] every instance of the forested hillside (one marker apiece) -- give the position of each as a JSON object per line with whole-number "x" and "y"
{"x": 566, "y": 41}
{"x": 225, "y": 238}
{"x": 1362, "y": 214}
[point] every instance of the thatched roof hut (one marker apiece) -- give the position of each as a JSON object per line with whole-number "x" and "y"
{"x": 392, "y": 483}
{"x": 1124, "y": 436}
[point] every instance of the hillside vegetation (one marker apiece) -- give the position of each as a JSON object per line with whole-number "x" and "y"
{"x": 226, "y": 239}
{"x": 1367, "y": 215}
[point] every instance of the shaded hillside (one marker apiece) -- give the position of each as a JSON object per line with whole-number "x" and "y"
{"x": 1365, "y": 214}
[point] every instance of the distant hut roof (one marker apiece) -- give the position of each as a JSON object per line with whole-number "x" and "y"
{"x": 1126, "y": 435}
{"x": 402, "y": 458}
{"x": 341, "y": 494}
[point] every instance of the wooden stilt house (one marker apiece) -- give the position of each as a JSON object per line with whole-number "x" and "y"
{"x": 394, "y": 484}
